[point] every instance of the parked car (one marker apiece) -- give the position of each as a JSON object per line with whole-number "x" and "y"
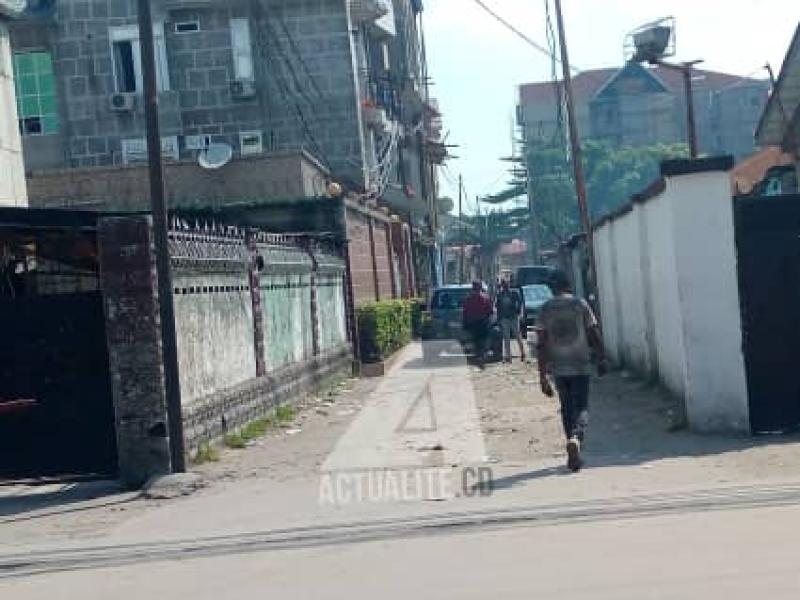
{"x": 534, "y": 275}
{"x": 534, "y": 297}
{"x": 444, "y": 329}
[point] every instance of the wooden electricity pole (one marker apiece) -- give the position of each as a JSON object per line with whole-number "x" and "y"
{"x": 161, "y": 240}
{"x": 577, "y": 155}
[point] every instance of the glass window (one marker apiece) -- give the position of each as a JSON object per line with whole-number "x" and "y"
{"x": 35, "y": 86}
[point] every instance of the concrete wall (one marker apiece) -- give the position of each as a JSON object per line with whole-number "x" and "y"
{"x": 295, "y": 320}
{"x": 12, "y": 182}
{"x": 214, "y": 325}
{"x": 273, "y": 176}
{"x": 669, "y": 292}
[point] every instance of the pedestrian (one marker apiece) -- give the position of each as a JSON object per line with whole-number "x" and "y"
{"x": 509, "y": 313}
{"x": 569, "y": 339}
{"x": 477, "y": 317}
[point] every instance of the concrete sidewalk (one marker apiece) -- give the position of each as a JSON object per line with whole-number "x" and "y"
{"x": 446, "y": 418}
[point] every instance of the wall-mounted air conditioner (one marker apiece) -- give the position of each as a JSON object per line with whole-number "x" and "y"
{"x": 243, "y": 89}
{"x": 122, "y": 102}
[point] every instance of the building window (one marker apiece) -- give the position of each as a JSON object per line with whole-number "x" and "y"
{"x": 126, "y": 52}
{"x": 187, "y": 27}
{"x": 35, "y": 86}
{"x": 242, "y": 49}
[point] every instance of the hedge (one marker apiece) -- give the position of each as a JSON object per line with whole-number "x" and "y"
{"x": 383, "y": 328}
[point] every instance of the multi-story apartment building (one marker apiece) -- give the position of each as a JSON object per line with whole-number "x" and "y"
{"x": 338, "y": 84}
{"x": 638, "y": 105}
{"x": 12, "y": 182}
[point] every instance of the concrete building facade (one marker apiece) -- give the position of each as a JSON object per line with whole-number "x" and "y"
{"x": 340, "y": 80}
{"x": 12, "y": 184}
{"x": 636, "y": 105}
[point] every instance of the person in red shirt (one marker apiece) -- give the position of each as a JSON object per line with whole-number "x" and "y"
{"x": 477, "y": 316}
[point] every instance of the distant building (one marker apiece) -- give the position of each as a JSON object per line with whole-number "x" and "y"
{"x": 780, "y": 122}
{"x": 338, "y": 84}
{"x": 637, "y": 105}
{"x": 12, "y": 181}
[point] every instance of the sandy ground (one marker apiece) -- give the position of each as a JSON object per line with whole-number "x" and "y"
{"x": 276, "y": 481}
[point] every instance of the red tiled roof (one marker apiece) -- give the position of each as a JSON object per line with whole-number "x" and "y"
{"x": 586, "y": 83}
{"x": 752, "y": 170}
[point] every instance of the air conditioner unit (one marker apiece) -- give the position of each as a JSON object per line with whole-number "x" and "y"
{"x": 122, "y": 102}
{"x": 243, "y": 89}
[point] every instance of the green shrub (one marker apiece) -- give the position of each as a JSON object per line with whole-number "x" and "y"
{"x": 383, "y": 328}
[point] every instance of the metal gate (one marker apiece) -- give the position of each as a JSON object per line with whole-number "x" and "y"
{"x": 56, "y": 411}
{"x": 768, "y": 249}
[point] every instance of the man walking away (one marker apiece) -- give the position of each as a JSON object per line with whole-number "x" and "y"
{"x": 477, "y": 319}
{"x": 509, "y": 313}
{"x": 568, "y": 339}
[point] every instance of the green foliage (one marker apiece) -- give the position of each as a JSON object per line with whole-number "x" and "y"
{"x": 613, "y": 175}
{"x": 256, "y": 429}
{"x": 236, "y": 441}
{"x": 284, "y": 414}
{"x": 205, "y": 453}
{"x": 383, "y": 328}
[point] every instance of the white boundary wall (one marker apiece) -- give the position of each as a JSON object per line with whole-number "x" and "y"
{"x": 669, "y": 294}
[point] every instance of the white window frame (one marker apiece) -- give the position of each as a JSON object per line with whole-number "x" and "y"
{"x": 194, "y": 22}
{"x": 130, "y": 33}
{"x": 242, "y": 47}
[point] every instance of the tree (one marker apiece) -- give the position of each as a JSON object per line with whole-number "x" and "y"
{"x": 613, "y": 175}
{"x": 488, "y": 231}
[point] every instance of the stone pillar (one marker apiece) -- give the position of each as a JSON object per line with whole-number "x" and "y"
{"x": 133, "y": 330}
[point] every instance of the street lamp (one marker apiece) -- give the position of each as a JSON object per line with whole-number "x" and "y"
{"x": 652, "y": 43}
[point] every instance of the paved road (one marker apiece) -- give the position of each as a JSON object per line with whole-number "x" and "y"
{"x": 730, "y": 554}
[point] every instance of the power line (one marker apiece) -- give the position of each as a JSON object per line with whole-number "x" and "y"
{"x": 520, "y": 34}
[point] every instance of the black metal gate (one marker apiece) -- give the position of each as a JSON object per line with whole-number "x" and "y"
{"x": 768, "y": 249}
{"x": 56, "y": 411}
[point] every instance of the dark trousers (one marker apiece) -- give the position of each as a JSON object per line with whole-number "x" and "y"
{"x": 479, "y": 332}
{"x": 573, "y": 394}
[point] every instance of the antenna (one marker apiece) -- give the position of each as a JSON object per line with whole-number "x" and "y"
{"x": 651, "y": 42}
{"x": 215, "y": 156}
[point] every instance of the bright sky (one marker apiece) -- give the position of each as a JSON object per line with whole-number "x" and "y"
{"x": 476, "y": 64}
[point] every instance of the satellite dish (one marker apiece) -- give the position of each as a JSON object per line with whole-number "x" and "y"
{"x": 215, "y": 156}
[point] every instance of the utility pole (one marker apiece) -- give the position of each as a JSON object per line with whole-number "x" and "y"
{"x": 575, "y": 144}
{"x": 169, "y": 344}
{"x": 691, "y": 127}
{"x": 461, "y": 227}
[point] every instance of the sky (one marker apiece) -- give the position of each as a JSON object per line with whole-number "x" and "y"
{"x": 476, "y": 64}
